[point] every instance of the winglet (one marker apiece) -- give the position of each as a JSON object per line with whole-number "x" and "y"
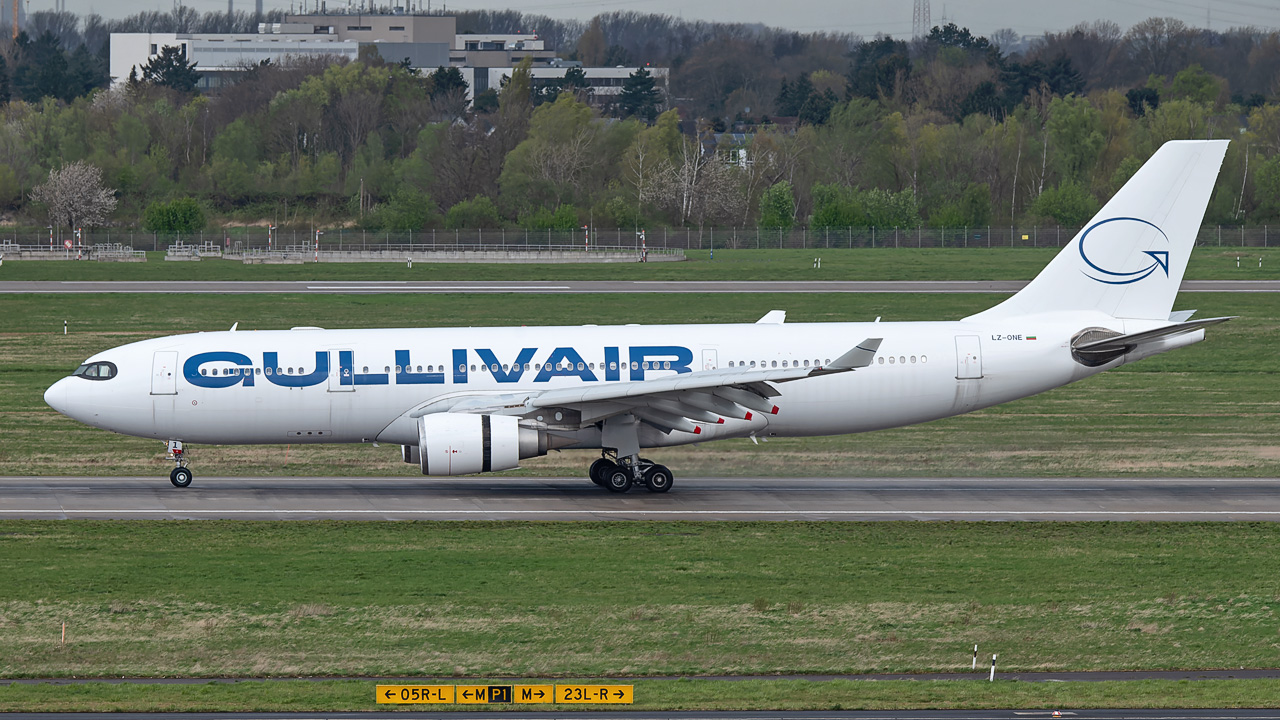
{"x": 773, "y": 317}
{"x": 859, "y": 357}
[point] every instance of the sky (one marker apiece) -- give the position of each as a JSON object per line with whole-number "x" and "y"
{"x": 863, "y": 17}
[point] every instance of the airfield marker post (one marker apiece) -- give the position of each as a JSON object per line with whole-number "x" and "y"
{"x": 993, "y": 669}
{"x": 975, "y": 657}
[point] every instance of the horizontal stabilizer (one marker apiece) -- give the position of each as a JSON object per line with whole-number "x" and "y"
{"x": 1178, "y": 316}
{"x": 1124, "y": 343}
{"x": 773, "y": 317}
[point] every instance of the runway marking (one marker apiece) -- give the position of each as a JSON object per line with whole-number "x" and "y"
{"x": 498, "y": 511}
{"x": 437, "y": 287}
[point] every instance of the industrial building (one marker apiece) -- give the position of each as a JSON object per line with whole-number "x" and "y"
{"x": 426, "y": 42}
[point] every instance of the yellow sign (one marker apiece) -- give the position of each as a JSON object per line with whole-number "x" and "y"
{"x": 472, "y": 694}
{"x": 598, "y": 694}
{"x": 534, "y": 694}
{"x": 414, "y": 694}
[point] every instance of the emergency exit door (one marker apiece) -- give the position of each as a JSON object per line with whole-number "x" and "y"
{"x": 968, "y": 357}
{"x": 709, "y": 360}
{"x": 164, "y": 372}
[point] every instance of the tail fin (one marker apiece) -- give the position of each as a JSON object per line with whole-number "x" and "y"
{"x": 1128, "y": 262}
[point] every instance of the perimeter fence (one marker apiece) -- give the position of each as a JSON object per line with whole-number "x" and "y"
{"x": 250, "y": 239}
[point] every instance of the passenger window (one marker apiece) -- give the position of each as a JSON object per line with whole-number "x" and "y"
{"x": 775, "y": 363}
{"x": 257, "y": 371}
{"x": 902, "y": 359}
{"x": 924, "y": 359}
{"x": 473, "y": 368}
{"x": 890, "y": 359}
{"x": 462, "y": 368}
{"x": 806, "y": 363}
{"x": 913, "y": 359}
{"x": 613, "y": 366}
{"x": 881, "y": 359}
{"x": 419, "y": 368}
{"x": 290, "y": 371}
{"x": 581, "y": 367}
{"x": 666, "y": 365}
{"x": 753, "y": 363}
{"x": 635, "y": 365}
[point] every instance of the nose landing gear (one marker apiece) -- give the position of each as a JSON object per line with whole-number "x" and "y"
{"x": 180, "y": 476}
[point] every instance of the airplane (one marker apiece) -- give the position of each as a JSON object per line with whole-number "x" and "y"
{"x": 473, "y": 400}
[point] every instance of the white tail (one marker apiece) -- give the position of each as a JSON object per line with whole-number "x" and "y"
{"x": 1129, "y": 260}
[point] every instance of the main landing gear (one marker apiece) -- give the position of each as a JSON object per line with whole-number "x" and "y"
{"x": 619, "y": 474}
{"x": 181, "y": 475}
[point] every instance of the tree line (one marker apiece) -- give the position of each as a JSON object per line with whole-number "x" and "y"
{"x": 762, "y": 127}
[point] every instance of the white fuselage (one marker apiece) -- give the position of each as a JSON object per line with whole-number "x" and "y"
{"x": 313, "y": 385}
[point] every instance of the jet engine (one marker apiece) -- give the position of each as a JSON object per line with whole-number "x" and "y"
{"x": 461, "y": 444}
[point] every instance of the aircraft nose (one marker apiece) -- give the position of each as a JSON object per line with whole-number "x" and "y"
{"x": 56, "y": 396}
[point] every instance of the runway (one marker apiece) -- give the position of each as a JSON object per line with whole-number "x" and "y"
{"x": 573, "y": 286}
{"x": 518, "y": 498}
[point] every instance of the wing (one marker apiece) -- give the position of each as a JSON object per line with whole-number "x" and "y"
{"x": 668, "y": 403}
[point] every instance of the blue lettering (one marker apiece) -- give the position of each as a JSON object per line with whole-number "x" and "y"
{"x": 517, "y": 368}
{"x": 565, "y": 362}
{"x": 459, "y": 366}
{"x": 272, "y": 360}
{"x": 346, "y": 367}
{"x": 404, "y": 377}
{"x": 680, "y": 358}
{"x": 612, "y": 372}
{"x": 191, "y": 370}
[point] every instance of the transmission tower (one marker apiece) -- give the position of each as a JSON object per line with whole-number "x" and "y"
{"x": 920, "y": 22}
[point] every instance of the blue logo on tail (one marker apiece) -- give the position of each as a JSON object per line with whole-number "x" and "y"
{"x": 1160, "y": 258}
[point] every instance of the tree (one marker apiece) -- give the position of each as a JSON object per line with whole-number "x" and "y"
{"x": 1068, "y": 204}
{"x": 591, "y": 45}
{"x": 639, "y": 96}
{"x": 182, "y": 215}
{"x": 478, "y": 212}
{"x": 778, "y": 206}
{"x": 74, "y": 196}
{"x": 170, "y": 69}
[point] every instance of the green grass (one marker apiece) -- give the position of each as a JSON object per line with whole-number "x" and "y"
{"x": 1207, "y": 410}
{"x": 353, "y": 695}
{"x": 1207, "y": 263}
{"x": 631, "y": 599}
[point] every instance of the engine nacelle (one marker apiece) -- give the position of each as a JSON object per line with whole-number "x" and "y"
{"x": 461, "y": 444}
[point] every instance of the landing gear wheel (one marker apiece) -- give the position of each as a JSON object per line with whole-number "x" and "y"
{"x": 600, "y": 470}
{"x": 180, "y": 477}
{"x": 618, "y": 480}
{"x": 658, "y": 479}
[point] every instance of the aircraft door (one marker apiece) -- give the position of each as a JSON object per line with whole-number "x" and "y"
{"x": 342, "y": 376}
{"x": 709, "y": 360}
{"x": 164, "y": 372}
{"x": 968, "y": 357}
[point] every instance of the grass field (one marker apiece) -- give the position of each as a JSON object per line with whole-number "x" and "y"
{"x": 354, "y": 695}
{"x": 631, "y": 599}
{"x": 1207, "y": 410}
{"x": 1207, "y": 263}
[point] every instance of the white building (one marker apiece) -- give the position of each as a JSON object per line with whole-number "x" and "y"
{"x": 426, "y": 42}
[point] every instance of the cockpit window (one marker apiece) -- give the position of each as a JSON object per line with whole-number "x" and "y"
{"x": 96, "y": 371}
